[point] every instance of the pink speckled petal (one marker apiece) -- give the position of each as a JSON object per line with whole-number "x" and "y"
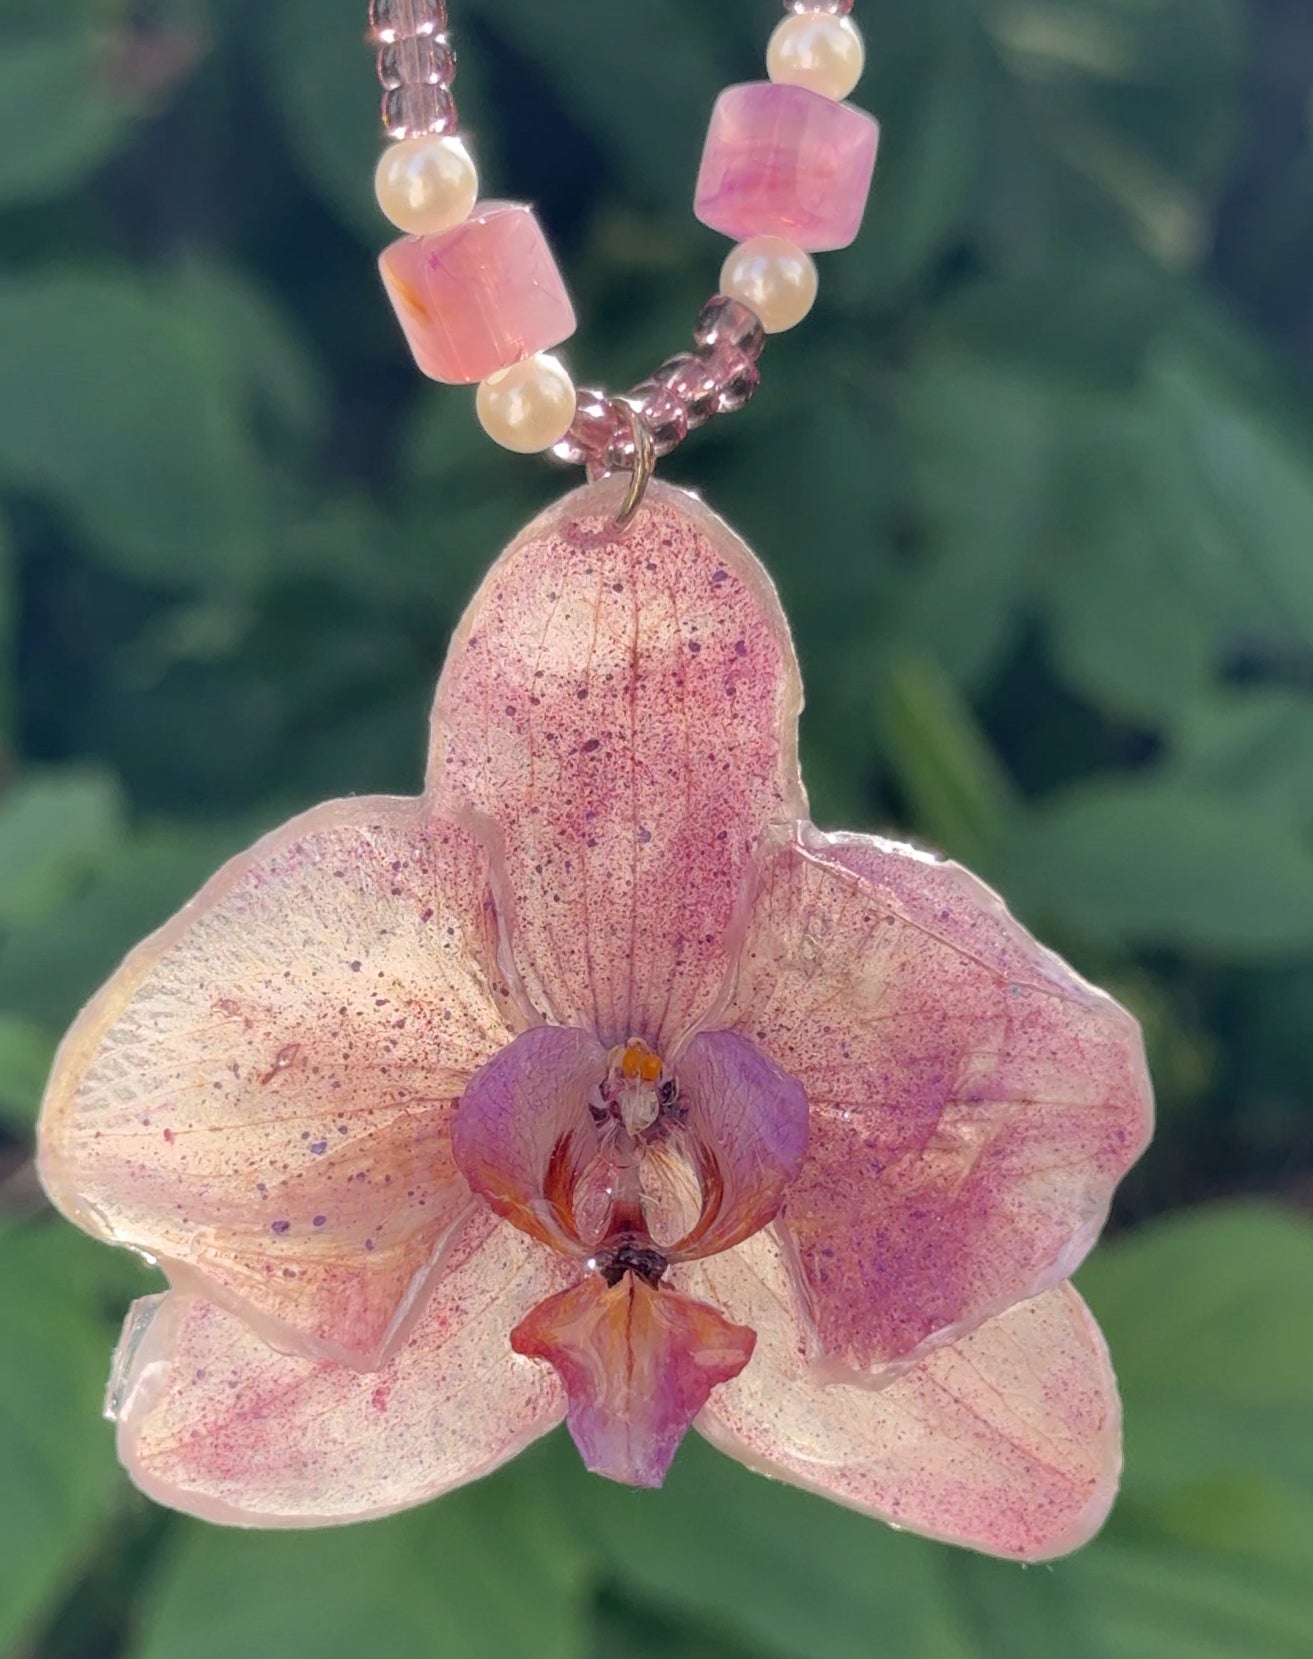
{"x": 260, "y": 1097}
{"x": 973, "y": 1101}
{"x": 522, "y": 1134}
{"x": 620, "y": 709}
{"x": 213, "y": 1422}
{"x": 638, "y": 1364}
{"x": 1008, "y": 1441}
{"x": 744, "y": 1132}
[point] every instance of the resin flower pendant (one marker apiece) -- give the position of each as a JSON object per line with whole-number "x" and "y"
{"x": 596, "y": 1084}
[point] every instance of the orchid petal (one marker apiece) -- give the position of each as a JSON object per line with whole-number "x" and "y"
{"x": 638, "y": 1364}
{"x": 1008, "y": 1441}
{"x": 619, "y": 712}
{"x": 261, "y": 1096}
{"x": 973, "y": 1101}
{"x": 522, "y": 1133}
{"x": 215, "y": 1423}
{"x": 745, "y": 1133}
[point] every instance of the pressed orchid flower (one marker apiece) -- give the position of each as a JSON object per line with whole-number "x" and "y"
{"x": 597, "y": 1084}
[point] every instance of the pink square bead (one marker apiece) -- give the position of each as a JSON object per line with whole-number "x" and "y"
{"x": 481, "y": 297}
{"x": 785, "y": 161}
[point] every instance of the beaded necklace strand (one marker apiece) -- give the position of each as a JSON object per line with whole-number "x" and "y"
{"x": 786, "y": 173}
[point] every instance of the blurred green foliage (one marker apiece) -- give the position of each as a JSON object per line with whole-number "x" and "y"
{"x": 1037, "y": 484}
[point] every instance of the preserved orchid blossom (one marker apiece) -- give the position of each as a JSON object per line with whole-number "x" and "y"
{"x": 597, "y": 1084}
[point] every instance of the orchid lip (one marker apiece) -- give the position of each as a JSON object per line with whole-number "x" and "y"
{"x": 552, "y": 1114}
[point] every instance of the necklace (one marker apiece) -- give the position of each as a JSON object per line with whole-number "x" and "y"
{"x": 596, "y": 1084}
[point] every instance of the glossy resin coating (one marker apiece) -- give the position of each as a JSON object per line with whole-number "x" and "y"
{"x": 597, "y": 1085}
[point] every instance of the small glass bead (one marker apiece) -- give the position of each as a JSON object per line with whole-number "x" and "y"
{"x": 620, "y": 455}
{"x": 817, "y": 50}
{"x": 726, "y": 321}
{"x": 688, "y": 378}
{"x": 596, "y": 422}
{"x": 834, "y": 8}
{"x": 428, "y": 60}
{"x": 736, "y": 377}
{"x": 663, "y": 414}
{"x": 529, "y": 407}
{"x": 419, "y": 111}
{"x": 391, "y": 20}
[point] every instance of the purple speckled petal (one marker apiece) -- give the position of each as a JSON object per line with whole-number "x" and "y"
{"x": 638, "y": 1364}
{"x": 215, "y": 1423}
{"x": 1008, "y": 1441}
{"x": 620, "y": 710}
{"x": 973, "y": 1101}
{"x": 745, "y": 1133}
{"x": 261, "y": 1096}
{"x": 522, "y": 1134}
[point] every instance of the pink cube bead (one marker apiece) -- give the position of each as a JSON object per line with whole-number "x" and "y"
{"x": 784, "y": 161}
{"x": 481, "y": 297}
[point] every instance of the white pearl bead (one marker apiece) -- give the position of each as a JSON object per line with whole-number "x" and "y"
{"x": 427, "y": 185}
{"x": 775, "y": 278}
{"x": 529, "y": 407}
{"x": 819, "y": 51}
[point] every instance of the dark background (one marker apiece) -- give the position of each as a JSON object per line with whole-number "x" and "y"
{"x": 1037, "y": 483}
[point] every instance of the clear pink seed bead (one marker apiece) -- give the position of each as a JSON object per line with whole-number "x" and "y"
{"x": 663, "y": 414}
{"x": 620, "y": 455}
{"x": 727, "y": 322}
{"x": 597, "y": 422}
{"x": 413, "y": 111}
{"x": 689, "y": 378}
{"x": 427, "y": 60}
{"x": 404, "y": 19}
{"x": 785, "y": 161}
{"x": 735, "y": 374}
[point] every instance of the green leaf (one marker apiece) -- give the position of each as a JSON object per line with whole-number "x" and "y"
{"x": 958, "y": 792}
{"x": 642, "y": 85}
{"x": 269, "y": 363}
{"x": 1163, "y": 1602}
{"x": 1182, "y": 545}
{"x": 1254, "y": 746}
{"x": 66, "y": 77}
{"x": 55, "y": 829}
{"x": 482, "y": 1574}
{"x": 56, "y": 1454}
{"x": 26, "y": 1051}
{"x": 801, "y": 1578}
{"x": 979, "y": 432}
{"x": 315, "y": 62}
{"x": 1210, "y": 1320}
{"x": 1153, "y": 863}
{"x": 927, "y": 85}
{"x": 115, "y": 405}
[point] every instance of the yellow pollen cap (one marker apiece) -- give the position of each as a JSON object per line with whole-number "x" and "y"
{"x": 639, "y": 1065}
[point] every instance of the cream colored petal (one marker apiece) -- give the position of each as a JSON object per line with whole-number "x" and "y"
{"x": 1008, "y": 1442}
{"x": 217, "y": 1424}
{"x": 260, "y": 1098}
